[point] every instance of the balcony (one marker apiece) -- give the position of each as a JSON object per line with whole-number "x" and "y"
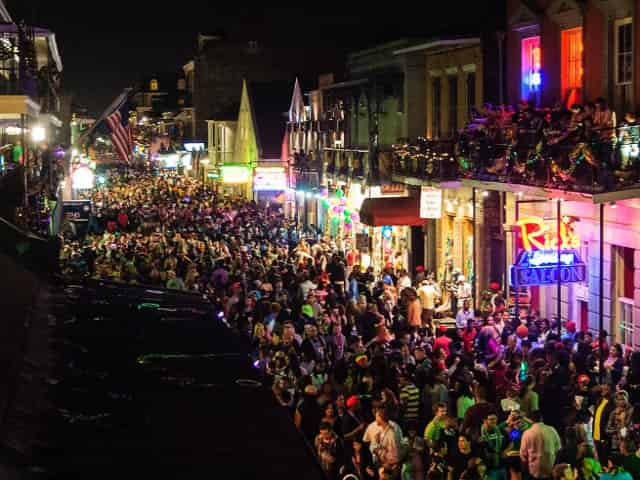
{"x": 306, "y": 180}
{"x": 426, "y": 161}
{"x": 606, "y": 162}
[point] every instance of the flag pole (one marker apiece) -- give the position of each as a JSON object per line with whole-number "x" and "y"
{"x": 120, "y": 99}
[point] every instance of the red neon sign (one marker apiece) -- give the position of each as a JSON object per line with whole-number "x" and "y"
{"x": 538, "y": 235}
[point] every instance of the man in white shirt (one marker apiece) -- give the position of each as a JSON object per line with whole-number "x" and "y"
{"x": 463, "y": 289}
{"x": 428, "y": 293}
{"x": 464, "y": 315}
{"x": 385, "y": 440}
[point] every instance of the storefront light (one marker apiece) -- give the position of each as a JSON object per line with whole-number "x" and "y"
{"x": 38, "y": 133}
{"x": 235, "y": 174}
{"x": 82, "y": 178}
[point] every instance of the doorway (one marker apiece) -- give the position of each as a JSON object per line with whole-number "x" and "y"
{"x": 583, "y": 308}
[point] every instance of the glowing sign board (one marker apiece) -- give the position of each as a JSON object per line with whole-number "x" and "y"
{"x": 235, "y": 174}
{"x": 541, "y": 268}
{"x": 538, "y": 235}
{"x": 269, "y": 179}
{"x": 540, "y": 263}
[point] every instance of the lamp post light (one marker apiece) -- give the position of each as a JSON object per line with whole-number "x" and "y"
{"x": 38, "y": 133}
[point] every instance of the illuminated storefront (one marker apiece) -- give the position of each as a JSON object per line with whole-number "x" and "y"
{"x": 540, "y": 252}
{"x": 456, "y": 236}
{"x": 270, "y": 184}
{"x": 236, "y": 180}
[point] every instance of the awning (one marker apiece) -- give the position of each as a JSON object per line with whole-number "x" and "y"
{"x": 396, "y": 211}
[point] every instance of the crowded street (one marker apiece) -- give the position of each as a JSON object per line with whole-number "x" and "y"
{"x": 377, "y": 386}
{"x": 286, "y": 243}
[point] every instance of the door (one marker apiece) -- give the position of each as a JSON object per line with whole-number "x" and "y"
{"x": 417, "y": 248}
{"x": 584, "y": 316}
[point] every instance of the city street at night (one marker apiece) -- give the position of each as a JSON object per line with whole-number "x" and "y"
{"x": 281, "y": 243}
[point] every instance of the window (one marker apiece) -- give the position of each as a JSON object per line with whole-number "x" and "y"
{"x": 531, "y": 72}
{"x": 625, "y": 312}
{"x": 471, "y": 92}
{"x": 624, "y": 51}
{"x": 436, "y": 95}
{"x": 453, "y": 104}
{"x": 572, "y": 65}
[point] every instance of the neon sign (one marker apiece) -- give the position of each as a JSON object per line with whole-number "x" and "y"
{"x": 269, "y": 179}
{"x": 235, "y": 174}
{"x": 531, "y": 64}
{"x": 537, "y": 235}
{"x": 541, "y": 262}
{"x": 541, "y": 268}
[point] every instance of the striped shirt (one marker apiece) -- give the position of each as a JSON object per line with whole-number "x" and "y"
{"x": 410, "y": 399}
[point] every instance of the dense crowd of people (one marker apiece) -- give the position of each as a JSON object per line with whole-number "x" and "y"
{"x": 377, "y": 385}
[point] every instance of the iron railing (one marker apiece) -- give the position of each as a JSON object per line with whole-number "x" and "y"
{"x": 607, "y": 160}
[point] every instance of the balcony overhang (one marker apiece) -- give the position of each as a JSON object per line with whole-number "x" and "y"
{"x": 418, "y": 182}
{"x": 530, "y": 191}
{"x": 12, "y": 106}
{"x": 619, "y": 195}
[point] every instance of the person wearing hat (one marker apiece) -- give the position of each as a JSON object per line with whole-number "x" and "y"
{"x": 443, "y": 341}
{"x": 582, "y": 395}
{"x": 352, "y": 423}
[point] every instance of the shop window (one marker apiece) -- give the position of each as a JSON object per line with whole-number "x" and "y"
{"x": 623, "y": 268}
{"x": 453, "y": 104}
{"x": 436, "y": 96}
{"x": 572, "y": 65}
{"x": 531, "y": 69}
{"x": 625, "y": 312}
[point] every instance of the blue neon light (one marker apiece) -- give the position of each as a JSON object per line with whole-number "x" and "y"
{"x": 540, "y": 267}
{"x": 535, "y": 80}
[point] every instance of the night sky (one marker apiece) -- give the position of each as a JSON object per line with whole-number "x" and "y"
{"x": 106, "y": 46}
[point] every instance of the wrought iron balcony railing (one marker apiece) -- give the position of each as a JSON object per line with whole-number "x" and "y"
{"x": 426, "y": 160}
{"x": 606, "y": 161}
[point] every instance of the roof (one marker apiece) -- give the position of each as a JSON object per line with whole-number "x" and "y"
{"x": 4, "y": 13}
{"x": 270, "y": 103}
{"x": 452, "y": 42}
{"x": 347, "y": 84}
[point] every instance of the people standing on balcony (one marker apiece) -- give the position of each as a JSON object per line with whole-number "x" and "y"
{"x": 604, "y": 119}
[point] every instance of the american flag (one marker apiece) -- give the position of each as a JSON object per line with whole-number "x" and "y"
{"x": 120, "y": 131}
{"x": 114, "y": 121}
